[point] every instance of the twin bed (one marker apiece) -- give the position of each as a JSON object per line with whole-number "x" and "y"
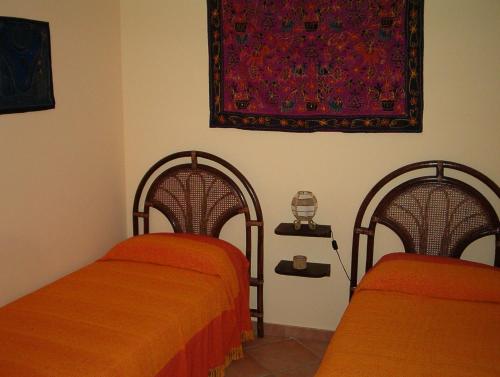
{"x": 177, "y": 304}
{"x": 424, "y": 312}
{"x": 172, "y": 304}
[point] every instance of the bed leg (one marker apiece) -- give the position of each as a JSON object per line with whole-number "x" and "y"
{"x": 260, "y": 327}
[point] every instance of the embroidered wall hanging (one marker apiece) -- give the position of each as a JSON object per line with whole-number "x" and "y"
{"x": 316, "y": 65}
{"x": 25, "y": 66}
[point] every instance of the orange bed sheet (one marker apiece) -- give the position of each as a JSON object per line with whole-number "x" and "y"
{"x": 156, "y": 305}
{"x": 419, "y": 316}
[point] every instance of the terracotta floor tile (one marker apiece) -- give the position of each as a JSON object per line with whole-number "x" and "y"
{"x": 316, "y": 347}
{"x": 257, "y": 342}
{"x": 304, "y": 371}
{"x": 282, "y": 356}
{"x": 246, "y": 367}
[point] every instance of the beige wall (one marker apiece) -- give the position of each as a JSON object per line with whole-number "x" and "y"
{"x": 62, "y": 170}
{"x": 164, "y": 46}
{"x": 62, "y": 173}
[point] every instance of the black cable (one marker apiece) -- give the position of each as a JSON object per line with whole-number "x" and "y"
{"x": 336, "y": 248}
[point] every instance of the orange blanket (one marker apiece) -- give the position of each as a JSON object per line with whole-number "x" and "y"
{"x": 155, "y": 305}
{"x": 419, "y": 316}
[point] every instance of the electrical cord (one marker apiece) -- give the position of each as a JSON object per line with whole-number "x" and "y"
{"x": 335, "y": 247}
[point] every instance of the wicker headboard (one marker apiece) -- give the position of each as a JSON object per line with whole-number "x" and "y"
{"x": 435, "y": 215}
{"x": 200, "y": 199}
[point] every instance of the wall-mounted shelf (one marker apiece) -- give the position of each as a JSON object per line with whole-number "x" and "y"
{"x": 288, "y": 229}
{"x": 313, "y": 270}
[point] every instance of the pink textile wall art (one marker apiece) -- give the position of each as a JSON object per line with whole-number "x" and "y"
{"x": 316, "y": 65}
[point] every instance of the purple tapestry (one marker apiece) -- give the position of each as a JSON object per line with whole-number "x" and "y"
{"x": 316, "y": 65}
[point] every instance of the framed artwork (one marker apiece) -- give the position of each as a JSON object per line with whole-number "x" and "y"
{"x": 316, "y": 65}
{"x": 25, "y": 66}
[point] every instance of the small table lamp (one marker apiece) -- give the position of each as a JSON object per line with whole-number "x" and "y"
{"x": 304, "y": 206}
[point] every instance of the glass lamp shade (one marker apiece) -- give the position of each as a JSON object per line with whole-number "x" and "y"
{"x": 304, "y": 206}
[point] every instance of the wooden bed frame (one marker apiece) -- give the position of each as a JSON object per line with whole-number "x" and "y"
{"x": 432, "y": 214}
{"x": 199, "y": 198}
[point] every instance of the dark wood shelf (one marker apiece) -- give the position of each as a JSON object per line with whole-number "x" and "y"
{"x": 288, "y": 229}
{"x": 313, "y": 270}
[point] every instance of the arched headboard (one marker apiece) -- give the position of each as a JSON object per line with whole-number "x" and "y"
{"x": 200, "y": 198}
{"x": 432, "y": 214}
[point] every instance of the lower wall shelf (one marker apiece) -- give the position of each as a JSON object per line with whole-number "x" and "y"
{"x": 313, "y": 270}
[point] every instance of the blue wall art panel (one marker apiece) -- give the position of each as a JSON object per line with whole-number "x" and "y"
{"x": 25, "y": 66}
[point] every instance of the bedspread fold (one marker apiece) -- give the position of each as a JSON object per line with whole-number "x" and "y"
{"x": 433, "y": 276}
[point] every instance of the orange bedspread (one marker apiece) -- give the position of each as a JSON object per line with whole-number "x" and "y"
{"x": 419, "y": 316}
{"x": 155, "y": 305}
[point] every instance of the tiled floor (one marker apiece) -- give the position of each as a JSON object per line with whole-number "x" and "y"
{"x": 275, "y": 356}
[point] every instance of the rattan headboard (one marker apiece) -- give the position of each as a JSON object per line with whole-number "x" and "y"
{"x": 434, "y": 215}
{"x": 201, "y": 198}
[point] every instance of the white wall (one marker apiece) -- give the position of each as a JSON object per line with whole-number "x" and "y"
{"x": 62, "y": 171}
{"x": 165, "y": 81}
